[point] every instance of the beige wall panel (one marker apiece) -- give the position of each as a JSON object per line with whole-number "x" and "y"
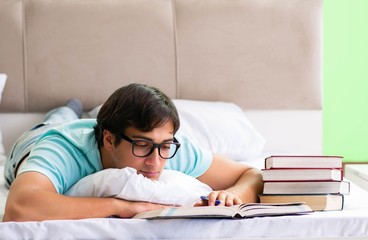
{"x": 89, "y": 48}
{"x": 263, "y": 54}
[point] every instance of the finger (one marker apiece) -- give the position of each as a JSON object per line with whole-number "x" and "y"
{"x": 237, "y": 201}
{"x": 212, "y": 197}
{"x": 229, "y": 200}
{"x": 200, "y": 203}
{"x": 222, "y": 196}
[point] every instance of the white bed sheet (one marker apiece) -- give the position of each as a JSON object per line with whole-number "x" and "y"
{"x": 352, "y": 222}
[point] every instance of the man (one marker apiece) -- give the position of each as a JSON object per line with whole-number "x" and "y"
{"x": 135, "y": 128}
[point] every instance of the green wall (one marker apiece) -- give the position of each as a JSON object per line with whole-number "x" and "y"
{"x": 345, "y": 100}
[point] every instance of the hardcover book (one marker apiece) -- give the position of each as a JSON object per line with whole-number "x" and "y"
{"x": 318, "y": 202}
{"x": 295, "y": 161}
{"x": 313, "y": 174}
{"x": 307, "y": 187}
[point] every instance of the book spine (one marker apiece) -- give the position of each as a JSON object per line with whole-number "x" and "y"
{"x": 288, "y": 174}
{"x": 271, "y": 161}
{"x": 306, "y": 187}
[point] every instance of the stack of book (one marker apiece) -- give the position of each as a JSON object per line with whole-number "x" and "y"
{"x": 315, "y": 180}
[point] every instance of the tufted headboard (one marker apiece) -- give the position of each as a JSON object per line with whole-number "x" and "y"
{"x": 263, "y": 54}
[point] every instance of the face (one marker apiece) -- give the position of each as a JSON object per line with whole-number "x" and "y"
{"x": 121, "y": 156}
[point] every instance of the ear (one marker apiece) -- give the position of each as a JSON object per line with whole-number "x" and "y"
{"x": 108, "y": 140}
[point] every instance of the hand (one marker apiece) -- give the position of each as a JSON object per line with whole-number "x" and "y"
{"x": 226, "y": 199}
{"x": 128, "y": 209}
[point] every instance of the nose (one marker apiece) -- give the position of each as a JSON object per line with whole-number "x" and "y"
{"x": 154, "y": 158}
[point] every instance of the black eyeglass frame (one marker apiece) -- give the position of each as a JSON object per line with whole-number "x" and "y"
{"x": 154, "y": 145}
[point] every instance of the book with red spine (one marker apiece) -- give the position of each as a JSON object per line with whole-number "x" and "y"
{"x": 302, "y": 174}
{"x": 307, "y": 187}
{"x": 303, "y": 161}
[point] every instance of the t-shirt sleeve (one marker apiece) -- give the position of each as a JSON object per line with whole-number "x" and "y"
{"x": 62, "y": 164}
{"x": 44, "y": 162}
{"x": 190, "y": 159}
{"x": 65, "y": 154}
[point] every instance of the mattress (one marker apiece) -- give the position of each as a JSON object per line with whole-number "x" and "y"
{"x": 358, "y": 173}
{"x": 351, "y": 222}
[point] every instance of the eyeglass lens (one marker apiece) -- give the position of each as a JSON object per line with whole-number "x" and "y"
{"x": 142, "y": 148}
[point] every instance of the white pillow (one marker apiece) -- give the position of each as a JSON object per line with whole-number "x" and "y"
{"x": 2, "y": 151}
{"x": 2, "y": 163}
{"x": 93, "y": 113}
{"x": 172, "y": 188}
{"x": 221, "y": 127}
{"x": 2, "y": 85}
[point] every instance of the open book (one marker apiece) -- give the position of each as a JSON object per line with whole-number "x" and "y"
{"x": 236, "y": 211}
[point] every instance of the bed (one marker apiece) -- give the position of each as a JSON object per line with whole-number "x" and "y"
{"x": 263, "y": 57}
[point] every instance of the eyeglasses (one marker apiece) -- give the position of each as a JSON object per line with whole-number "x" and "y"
{"x": 143, "y": 148}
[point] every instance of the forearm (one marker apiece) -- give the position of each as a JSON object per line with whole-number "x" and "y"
{"x": 50, "y": 206}
{"x": 248, "y": 186}
{"x": 36, "y": 206}
{"x": 32, "y": 197}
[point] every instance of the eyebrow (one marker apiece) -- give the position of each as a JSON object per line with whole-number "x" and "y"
{"x": 150, "y": 139}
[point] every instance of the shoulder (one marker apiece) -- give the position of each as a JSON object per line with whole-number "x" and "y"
{"x": 74, "y": 132}
{"x": 78, "y": 124}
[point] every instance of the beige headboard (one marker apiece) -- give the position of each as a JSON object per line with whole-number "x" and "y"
{"x": 260, "y": 54}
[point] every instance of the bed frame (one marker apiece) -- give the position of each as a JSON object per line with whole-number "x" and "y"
{"x": 264, "y": 55}
{"x": 267, "y": 54}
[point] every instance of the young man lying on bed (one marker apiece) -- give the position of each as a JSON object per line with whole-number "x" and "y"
{"x": 136, "y": 128}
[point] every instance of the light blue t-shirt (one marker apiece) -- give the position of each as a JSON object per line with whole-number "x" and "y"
{"x": 67, "y": 153}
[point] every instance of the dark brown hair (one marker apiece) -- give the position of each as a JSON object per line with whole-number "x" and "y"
{"x": 135, "y": 105}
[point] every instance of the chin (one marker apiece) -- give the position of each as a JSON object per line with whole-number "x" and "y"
{"x": 151, "y": 175}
